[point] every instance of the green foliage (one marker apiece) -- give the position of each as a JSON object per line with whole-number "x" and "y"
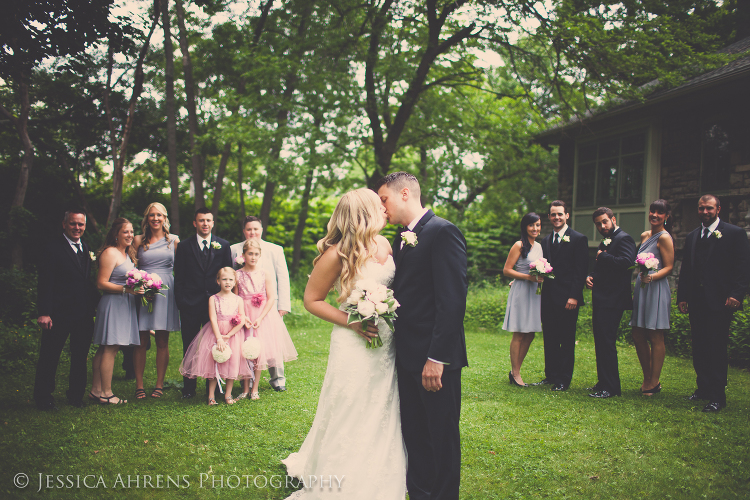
{"x": 19, "y": 335}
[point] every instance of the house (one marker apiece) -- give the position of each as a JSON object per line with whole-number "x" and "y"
{"x": 677, "y": 144}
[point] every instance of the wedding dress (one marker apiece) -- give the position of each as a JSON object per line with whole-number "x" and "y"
{"x": 354, "y": 449}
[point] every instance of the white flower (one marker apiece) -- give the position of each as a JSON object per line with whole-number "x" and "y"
{"x": 354, "y": 297}
{"x": 149, "y": 283}
{"x": 379, "y": 294}
{"x": 652, "y": 263}
{"x": 137, "y": 276}
{"x": 393, "y": 306}
{"x": 717, "y": 234}
{"x": 156, "y": 277}
{"x": 366, "y": 285}
{"x": 366, "y": 308}
{"x": 381, "y": 308}
{"x": 607, "y": 241}
{"x": 565, "y": 239}
{"x": 409, "y": 238}
{"x": 221, "y": 356}
{"x": 239, "y": 260}
{"x": 251, "y": 348}
{"x": 92, "y": 255}
{"x": 216, "y": 245}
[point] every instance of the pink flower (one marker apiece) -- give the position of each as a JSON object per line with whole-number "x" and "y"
{"x": 257, "y": 299}
{"x": 235, "y": 319}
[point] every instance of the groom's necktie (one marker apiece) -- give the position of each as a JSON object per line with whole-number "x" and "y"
{"x": 556, "y": 243}
{"x": 205, "y": 251}
{"x": 79, "y": 254}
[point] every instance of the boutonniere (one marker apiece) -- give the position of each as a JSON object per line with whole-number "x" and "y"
{"x": 606, "y": 241}
{"x": 717, "y": 234}
{"x": 410, "y": 238}
{"x": 216, "y": 245}
{"x": 92, "y": 256}
{"x": 565, "y": 239}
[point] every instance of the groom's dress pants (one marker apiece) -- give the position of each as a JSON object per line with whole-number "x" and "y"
{"x": 559, "y": 329}
{"x": 429, "y": 424}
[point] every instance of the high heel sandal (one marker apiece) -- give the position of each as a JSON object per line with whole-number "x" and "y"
{"x": 254, "y": 395}
{"x": 513, "y": 381}
{"x": 653, "y": 391}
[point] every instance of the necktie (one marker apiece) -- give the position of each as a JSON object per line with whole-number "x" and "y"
{"x": 557, "y": 238}
{"x": 705, "y": 233}
{"x": 205, "y": 250}
{"x": 79, "y": 254}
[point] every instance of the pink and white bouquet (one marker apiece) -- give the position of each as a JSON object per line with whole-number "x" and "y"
{"x": 152, "y": 284}
{"x": 371, "y": 301}
{"x": 541, "y": 267}
{"x": 645, "y": 262}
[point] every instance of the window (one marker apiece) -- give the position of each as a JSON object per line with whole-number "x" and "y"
{"x": 725, "y": 145}
{"x": 611, "y": 172}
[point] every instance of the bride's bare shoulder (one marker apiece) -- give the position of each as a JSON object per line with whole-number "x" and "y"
{"x": 384, "y": 246}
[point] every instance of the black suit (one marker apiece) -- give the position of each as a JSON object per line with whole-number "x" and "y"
{"x": 610, "y": 297}
{"x": 68, "y": 295}
{"x": 569, "y": 260}
{"x": 194, "y": 282}
{"x": 713, "y": 270}
{"x": 431, "y": 286}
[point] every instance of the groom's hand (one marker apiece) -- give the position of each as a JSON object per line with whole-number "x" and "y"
{"x": 431, "y": 375}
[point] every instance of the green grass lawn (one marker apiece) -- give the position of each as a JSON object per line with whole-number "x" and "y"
{"x": 516, "y": 442}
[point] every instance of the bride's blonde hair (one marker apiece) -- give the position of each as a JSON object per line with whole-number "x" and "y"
{"x": 356, "y": 221}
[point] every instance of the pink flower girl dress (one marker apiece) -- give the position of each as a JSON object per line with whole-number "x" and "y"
{"x": 275, "y": 342}
{"x": 198, "y": 360}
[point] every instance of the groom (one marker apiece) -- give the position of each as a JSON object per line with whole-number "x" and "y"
{"x": 431, "y": 285}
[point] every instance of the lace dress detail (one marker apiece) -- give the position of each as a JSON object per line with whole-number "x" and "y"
{"x": 356, "y": 434}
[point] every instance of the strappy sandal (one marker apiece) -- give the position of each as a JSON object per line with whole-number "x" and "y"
{"x": 229, "y": 401}
{"x": 140, "y": 394}
{"x": 212, "y": 402}
{"x": 92, "y": 396}
{"x": 254, "y": 395}
{"x": 106, "y": 400}
{"x": 157, "y": 392}
{"x": 241, "y": 396}
{"x": 655, "y": 390}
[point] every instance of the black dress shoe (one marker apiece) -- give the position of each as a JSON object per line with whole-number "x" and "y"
{"x": 559, "y": 387}
{"x": 713, "y": 407}
{"x": 76, "y": 403}
{"x": 279, "y": 388}
{"x": 188, "y": 395}
{"x": 603, "y": 394}
{"x": 49, "y": 406}
{"x": 542, "y": 382}
{"x": 695, "y": 397}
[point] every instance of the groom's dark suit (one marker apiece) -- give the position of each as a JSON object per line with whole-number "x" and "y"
{"x": 67, "y": 294}
{"x": 610, "y": 297}
{"x": 712, "y": 270}
{"x": 431, "y": 286}
{"x": 569, "y": 260}
{"x": 194, "y": 282}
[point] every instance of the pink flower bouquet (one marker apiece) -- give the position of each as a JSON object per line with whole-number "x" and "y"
{"x": 645, "y": 262}
{"x": 541, "y": 267}
{"x": 152, "y": 284}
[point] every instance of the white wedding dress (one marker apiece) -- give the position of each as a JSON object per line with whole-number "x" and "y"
{"x": 356, "y": 434}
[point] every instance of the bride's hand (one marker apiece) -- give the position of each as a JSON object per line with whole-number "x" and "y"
{"x": 367, "y": 330}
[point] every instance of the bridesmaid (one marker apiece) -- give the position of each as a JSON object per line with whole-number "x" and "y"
{"x": 156, "y": 251}
{"x": 523, "y": 314}
{"x": 651, "y": 304}
{"x": 116, "y": 319}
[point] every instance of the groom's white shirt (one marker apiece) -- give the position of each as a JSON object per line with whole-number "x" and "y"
{"x": 272, "y": 260}
{"x": 411, "y": 227}
{"x": 200, "y": 240}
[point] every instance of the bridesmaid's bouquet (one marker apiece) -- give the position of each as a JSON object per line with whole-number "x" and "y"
{"x": 371, "y": 301}
{"x": 541, "y": 267}
{"x": 152, "y": 284}
{"x": 645, "y": 262}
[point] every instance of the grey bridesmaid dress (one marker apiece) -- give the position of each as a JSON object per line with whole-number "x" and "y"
{"x": 159, "y": 259}
{"x": 116, "y": 317}
{"x": 524, "y": 310}
{"x": 651, "y": 304}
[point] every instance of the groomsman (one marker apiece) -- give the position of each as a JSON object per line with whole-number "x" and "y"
{"x": 196, "y": 264}
{"x": 272, "y": 260}
{"x": 567, "y": 252}
{"x": 611, "y": 295}
{"x": 714, "y": 279}
{"x": 66, "y": 304}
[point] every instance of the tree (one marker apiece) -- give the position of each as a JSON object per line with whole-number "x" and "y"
{"x": 169, "y": 105}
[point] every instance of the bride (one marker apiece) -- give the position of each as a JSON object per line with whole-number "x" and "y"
{"x": 355, "y": 448}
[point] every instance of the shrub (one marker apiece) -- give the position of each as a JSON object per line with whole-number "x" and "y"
{"x": 19, "y": 335}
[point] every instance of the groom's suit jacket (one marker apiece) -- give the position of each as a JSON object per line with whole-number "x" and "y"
{"x": 195, "y": 282}
{"x": 66, "y": 290}
{"x": 611, "y": 274}
{"x": 725, "y": 272}
{"x": 431, "y": 286}
{"x": 570, "y": 267}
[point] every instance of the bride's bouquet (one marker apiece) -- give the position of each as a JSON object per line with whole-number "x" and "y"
{"x": 645, "y": 262}
{"x": 151, "y": 283}
{"x": 541, "y": 267}
{"x": 371, "y": 301}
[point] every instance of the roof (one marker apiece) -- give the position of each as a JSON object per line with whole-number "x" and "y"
{"x": 735, "y": 69}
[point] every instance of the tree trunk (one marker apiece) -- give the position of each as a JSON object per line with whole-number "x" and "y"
{"x": 117, "y": 175}
{"x": 265, "y": 207}
{"x": 174, "y": 178}
{"x": 423, "y": 177}
{"x": 187, "y": 68}
{"x": 220, "y": 179}
{"x": 62, "y": 158}
{"x": 21, "y": 124}
{"x": 304, "y": 207}
{"x": 243, "y": 212}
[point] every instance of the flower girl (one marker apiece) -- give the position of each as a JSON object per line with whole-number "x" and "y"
{"x": 258, "y": 291}
{"x": 216, "y": 351}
